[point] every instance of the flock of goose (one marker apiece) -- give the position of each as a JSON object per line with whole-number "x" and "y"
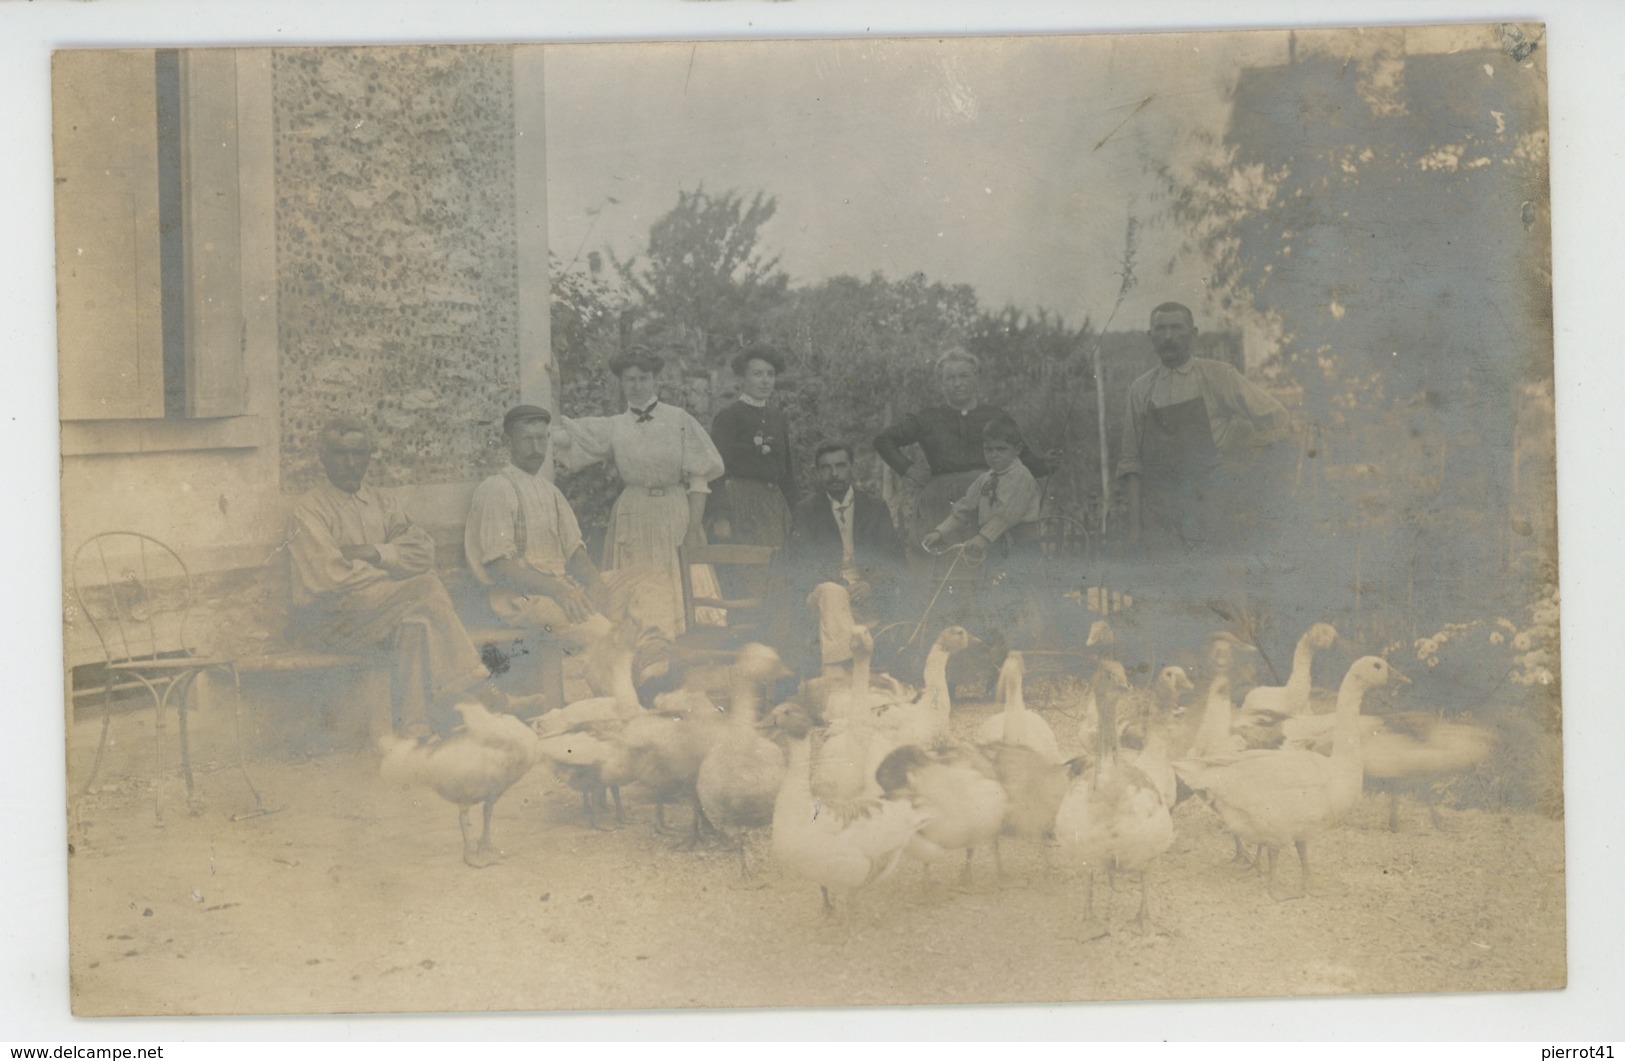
{"x": 858, "y": 770}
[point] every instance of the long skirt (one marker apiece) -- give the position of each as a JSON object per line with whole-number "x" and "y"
{"x": 646, "y": 527}
{"x": 758, "y": 515}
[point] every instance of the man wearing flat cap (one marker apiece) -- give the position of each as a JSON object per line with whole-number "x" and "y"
{"x": 360, "y": 568}
{"x": 523, "y": 542}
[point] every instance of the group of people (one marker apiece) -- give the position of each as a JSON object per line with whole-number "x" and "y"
{"x": 361, "y": 568}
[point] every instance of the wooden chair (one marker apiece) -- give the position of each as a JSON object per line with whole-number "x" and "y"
{"x": 747, "y": 617}
{"x": 136, "y": 593}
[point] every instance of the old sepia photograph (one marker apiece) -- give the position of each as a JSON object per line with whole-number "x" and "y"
{"x": 809, "y": 523}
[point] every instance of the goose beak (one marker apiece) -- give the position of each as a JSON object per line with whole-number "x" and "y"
{"x": 1394, "y": 674}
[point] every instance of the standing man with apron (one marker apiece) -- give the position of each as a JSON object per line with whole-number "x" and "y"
{"x": 1192, "y": 422}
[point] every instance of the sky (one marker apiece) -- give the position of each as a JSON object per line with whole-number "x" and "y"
{"x": 1011, "y": 164}
{"x": 1587, "y": 97}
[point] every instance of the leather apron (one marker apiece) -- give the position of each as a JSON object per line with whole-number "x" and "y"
{"x": 1180, "y": 484}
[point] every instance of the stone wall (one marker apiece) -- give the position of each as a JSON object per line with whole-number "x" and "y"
{"x": 397, "y": 259}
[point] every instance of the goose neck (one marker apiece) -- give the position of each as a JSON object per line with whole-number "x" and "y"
{"x": 1346, "y": 722}
{"x": 1215, "y": 717}
{"x": 623, "y": 689}
{"x": 860, "y": 671}
{"x": 1303, "y": 658}
{"x": 1106, "y": 734}
{"x": 743, "y": 703}
{"x": 936, "y": 669}
{"x": 936, "y": 682}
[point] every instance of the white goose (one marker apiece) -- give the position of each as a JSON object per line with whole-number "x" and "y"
{"x": 958, "y": 790}
{"x": 1416, "y": 749}
{"x": 841, "y": 848}
{"x": 740, "y": 776}
{"x": 1114, "y": 817}
{"x": 1291, "y": 796}
{"x": 1157, "y": 733}
{"x": 837, "y": 691}
{"x": 1272, "y": 701}
{"x": 924, "y": 721}
{"x": 583, "y": 742}
{"x": 621, "y": 704}
{"x": 844, "y": 768}
{"x": 1016, "y": 724}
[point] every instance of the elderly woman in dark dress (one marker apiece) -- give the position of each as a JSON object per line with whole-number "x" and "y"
{"x": 950, "y": 437}
{"x": 751, "y": 504}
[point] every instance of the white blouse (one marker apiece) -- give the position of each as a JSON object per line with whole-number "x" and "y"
{"x": 667, "y": 450}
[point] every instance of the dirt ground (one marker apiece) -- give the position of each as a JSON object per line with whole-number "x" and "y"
{"x": 352, "y": 897}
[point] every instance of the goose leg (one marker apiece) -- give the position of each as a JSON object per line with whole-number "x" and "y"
{"x": 964, "y": 874}
{"x": 1393, "y": 810}
{"x": 1314, "y": 883}
{"x": 600, "y": 802}
{"x": 1093, "y": 927}
{"x": 1274, "y": 855}
{"x": 486, "y": 853}
{"x": 693, "y": 840}
{"x": 480, "y": 854}
{"x": 1431, "y": 798}
{"x": 615, "y": 793}
{"x": 1142, "y": 920}
{"x": 462, "y": 827}
{"x": 590, "y": 807}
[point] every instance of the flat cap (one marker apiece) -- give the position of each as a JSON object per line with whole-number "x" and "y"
{"x": 520, "y": 413}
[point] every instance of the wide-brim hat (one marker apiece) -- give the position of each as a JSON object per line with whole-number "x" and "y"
{"x": 637, "y": 357}
{"x": 741, "y": 361}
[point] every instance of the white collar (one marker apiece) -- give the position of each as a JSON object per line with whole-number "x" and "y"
{"x": 752, "y": 402}
{"x": 845, "y": 502}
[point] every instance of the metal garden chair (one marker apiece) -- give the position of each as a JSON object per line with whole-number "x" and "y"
{"x": 136, "y": 593}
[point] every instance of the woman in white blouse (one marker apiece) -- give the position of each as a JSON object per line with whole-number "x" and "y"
{"x": 665, "y": 460}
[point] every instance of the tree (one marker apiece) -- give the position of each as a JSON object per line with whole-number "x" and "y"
{"x": 1384, "y": 216}
{"x": 861, "y": 351}
{"x": 704, "y": 284}
{"x": 586, "y": 318}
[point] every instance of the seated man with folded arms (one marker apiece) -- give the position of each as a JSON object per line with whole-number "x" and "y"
{"x": 361, "y": 569}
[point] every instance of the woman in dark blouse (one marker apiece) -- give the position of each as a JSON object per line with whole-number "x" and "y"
{"x": 751, "y": 504}
{"x": 950, "y": 436}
